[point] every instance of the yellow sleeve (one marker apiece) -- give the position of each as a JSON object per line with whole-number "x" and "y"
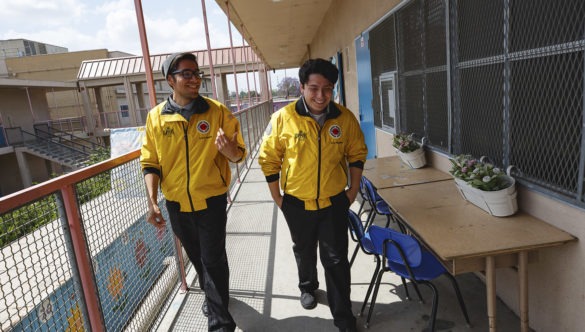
{"x": 271, "y": 150}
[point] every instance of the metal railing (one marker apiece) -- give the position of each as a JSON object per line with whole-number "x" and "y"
{"x": 76, "y": 253}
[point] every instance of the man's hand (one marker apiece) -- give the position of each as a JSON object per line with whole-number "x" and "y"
{"x": 154, "y": 217}
{"x": 351, "y": 194}
{"x": 228, "y": 147}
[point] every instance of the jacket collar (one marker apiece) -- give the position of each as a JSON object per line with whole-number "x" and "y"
{"x": 332, "y": 113}
{"x": 197, "y": 106}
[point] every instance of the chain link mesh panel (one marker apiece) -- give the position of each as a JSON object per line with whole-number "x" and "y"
{"x": 133, "y": 261}
{"x": 38, "y": 285}
{"x": 382, "y": 48}
{"x": 515, "y": 72}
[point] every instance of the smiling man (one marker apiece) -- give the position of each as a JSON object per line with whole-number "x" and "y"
{"x": 317, "y": 150}
{"x": 188, "y": 145}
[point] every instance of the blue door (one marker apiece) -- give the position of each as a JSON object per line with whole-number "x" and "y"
{"x": 364, "y": 77}
{"x": 2, "y": 138}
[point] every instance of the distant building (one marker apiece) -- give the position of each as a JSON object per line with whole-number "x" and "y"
{"x": 14, "y": 48}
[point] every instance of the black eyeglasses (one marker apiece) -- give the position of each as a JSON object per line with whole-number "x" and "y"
{"x": 189, "y": 73}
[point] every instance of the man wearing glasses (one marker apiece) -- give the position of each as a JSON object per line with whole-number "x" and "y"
{"x": 188, "y": 144}
{"x": 316, "y": 148}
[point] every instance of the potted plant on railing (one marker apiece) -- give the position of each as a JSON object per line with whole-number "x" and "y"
{"x": 410, "y": 151}
{"x": 485, "y": 185}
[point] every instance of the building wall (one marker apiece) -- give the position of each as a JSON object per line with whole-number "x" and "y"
{"x": 15, "y": 108}
{"x": 61, "y": 67}
{"x": 557, "y": 286}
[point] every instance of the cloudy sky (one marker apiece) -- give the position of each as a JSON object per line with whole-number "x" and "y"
{"x": 171, "y": 25}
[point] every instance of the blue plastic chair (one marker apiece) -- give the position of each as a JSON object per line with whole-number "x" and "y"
{"x": 362, "y": 238}
{"x": 379, "y": 206}
{"x": 403, "y": 255}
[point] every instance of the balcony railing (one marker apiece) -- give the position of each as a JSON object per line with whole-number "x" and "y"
{"x": 76, "y": 252}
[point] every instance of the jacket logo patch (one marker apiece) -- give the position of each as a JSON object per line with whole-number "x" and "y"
{"x": 168, "y": 131}
{"x": 335, "y": 131}
{"x": 301, "y": 136}
{"x": 203, "y": 127}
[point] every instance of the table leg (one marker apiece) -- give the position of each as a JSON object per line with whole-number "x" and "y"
{"x": 523, "y": 286}
{"x": 490, "y": 279}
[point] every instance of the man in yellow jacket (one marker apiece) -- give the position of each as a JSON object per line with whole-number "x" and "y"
{"x": 316, "y": 148}
{"x": 188, "y": 145}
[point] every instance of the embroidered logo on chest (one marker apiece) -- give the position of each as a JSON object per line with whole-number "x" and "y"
{"x": 168, "y": 131}
{"x": 301, "y": 136}
{"x": 203, "y": 127}
{"x": 335, "y": 131}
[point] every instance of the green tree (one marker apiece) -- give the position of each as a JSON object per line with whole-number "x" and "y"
{"x": 289, "y": 87}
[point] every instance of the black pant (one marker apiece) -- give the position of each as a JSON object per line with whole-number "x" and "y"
{"x": 202, "y": 234}
{"x": 327, "y": 228}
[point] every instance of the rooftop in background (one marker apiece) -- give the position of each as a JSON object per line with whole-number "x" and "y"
{"x": 14, "y": 48}
{"x": 134, "y": 65}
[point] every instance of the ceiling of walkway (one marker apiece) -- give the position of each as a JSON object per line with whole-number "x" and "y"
{"x": 278, "y": 30}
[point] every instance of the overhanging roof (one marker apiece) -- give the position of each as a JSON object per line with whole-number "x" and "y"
{"x": 278, "y": 30}
{"x": 134, "y": 65}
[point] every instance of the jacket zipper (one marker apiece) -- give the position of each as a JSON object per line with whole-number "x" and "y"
{"x": 185, "y": 131}
{"x": 319, "y": 167}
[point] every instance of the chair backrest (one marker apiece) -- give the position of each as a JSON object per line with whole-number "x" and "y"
{"x": 356, "y": 225}
{"x": 407, "y": 243}
{"x": 372, "y": 194}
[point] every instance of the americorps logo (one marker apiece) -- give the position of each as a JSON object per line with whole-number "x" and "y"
{"x": 203, "y": 127}
{"x": 335, "y": 131}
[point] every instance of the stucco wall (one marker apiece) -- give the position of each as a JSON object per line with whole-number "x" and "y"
{"x": 557, "y": 286}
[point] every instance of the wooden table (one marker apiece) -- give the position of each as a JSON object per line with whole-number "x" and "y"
{"x": 391, "y": 172}
{"x": 468, "y": 239}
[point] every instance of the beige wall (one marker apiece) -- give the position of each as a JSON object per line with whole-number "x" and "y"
{"x": 15, "y": 109}
{"x": 557, "y": 285}
{"x": 62, "y": 67}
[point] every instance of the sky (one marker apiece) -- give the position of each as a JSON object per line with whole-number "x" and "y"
{"x": 171, "y": 26}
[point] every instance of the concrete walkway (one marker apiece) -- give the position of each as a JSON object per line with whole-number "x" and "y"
{"x": 264, "y": 293}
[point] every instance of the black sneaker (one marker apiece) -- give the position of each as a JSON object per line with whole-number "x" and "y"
{"x": 205, "y": 309}
{"x": 308, "y": 300}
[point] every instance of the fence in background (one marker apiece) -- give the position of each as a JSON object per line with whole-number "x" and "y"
{"x": 76, "y": 253}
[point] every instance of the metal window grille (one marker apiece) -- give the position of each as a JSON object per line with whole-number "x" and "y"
{"x": 501, "y": 78}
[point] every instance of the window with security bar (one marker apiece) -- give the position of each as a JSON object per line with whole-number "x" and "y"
{"x": 502, "y": 79}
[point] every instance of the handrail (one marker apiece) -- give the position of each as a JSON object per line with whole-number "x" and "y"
{"x": 51, "y": 142}
{"x": 68, "y": 142}
{"x": 64, "y": 133}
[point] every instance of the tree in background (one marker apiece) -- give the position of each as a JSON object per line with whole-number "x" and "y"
{"x": 289, "y": 87}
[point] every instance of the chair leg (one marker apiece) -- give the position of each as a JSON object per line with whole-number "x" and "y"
{"x": 357, "y": 247}
{"x": 376, "y": 288}
{"x": 374, "y": 275}
{"x": 434, "y": 305}
{"x": 459, "y": 297}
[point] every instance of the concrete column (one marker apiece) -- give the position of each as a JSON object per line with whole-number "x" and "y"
{"x": 141, "y": 104}
{"x": 265, "y": 93}
{"x": 131, "y": 102}
{"x": 23, "y": 168}
{"x": 91, "y": 124}
{"x": 98, "y": 99}
{"x": 220, "y": 86}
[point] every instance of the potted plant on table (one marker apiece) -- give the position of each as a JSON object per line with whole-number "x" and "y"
{"x": 485, "y": 185}
{"x": 410, "y": 151}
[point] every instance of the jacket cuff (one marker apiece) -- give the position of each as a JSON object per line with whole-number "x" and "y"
{"x": 273, "y": 177}
{"x": 150, "y": 170}
{"x": 359, "y": 164}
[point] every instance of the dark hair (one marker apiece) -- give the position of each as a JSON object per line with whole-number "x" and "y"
{"x": 172, "y": 61}
{"x": 318, "y": 66}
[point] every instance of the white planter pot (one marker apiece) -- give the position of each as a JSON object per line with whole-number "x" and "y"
{"x": 414, "y": 159}
{"x": 500, "y": 203}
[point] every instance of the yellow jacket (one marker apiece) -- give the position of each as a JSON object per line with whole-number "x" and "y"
{"x": 312, "y": 162}
{"x": 184, "y": 155}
